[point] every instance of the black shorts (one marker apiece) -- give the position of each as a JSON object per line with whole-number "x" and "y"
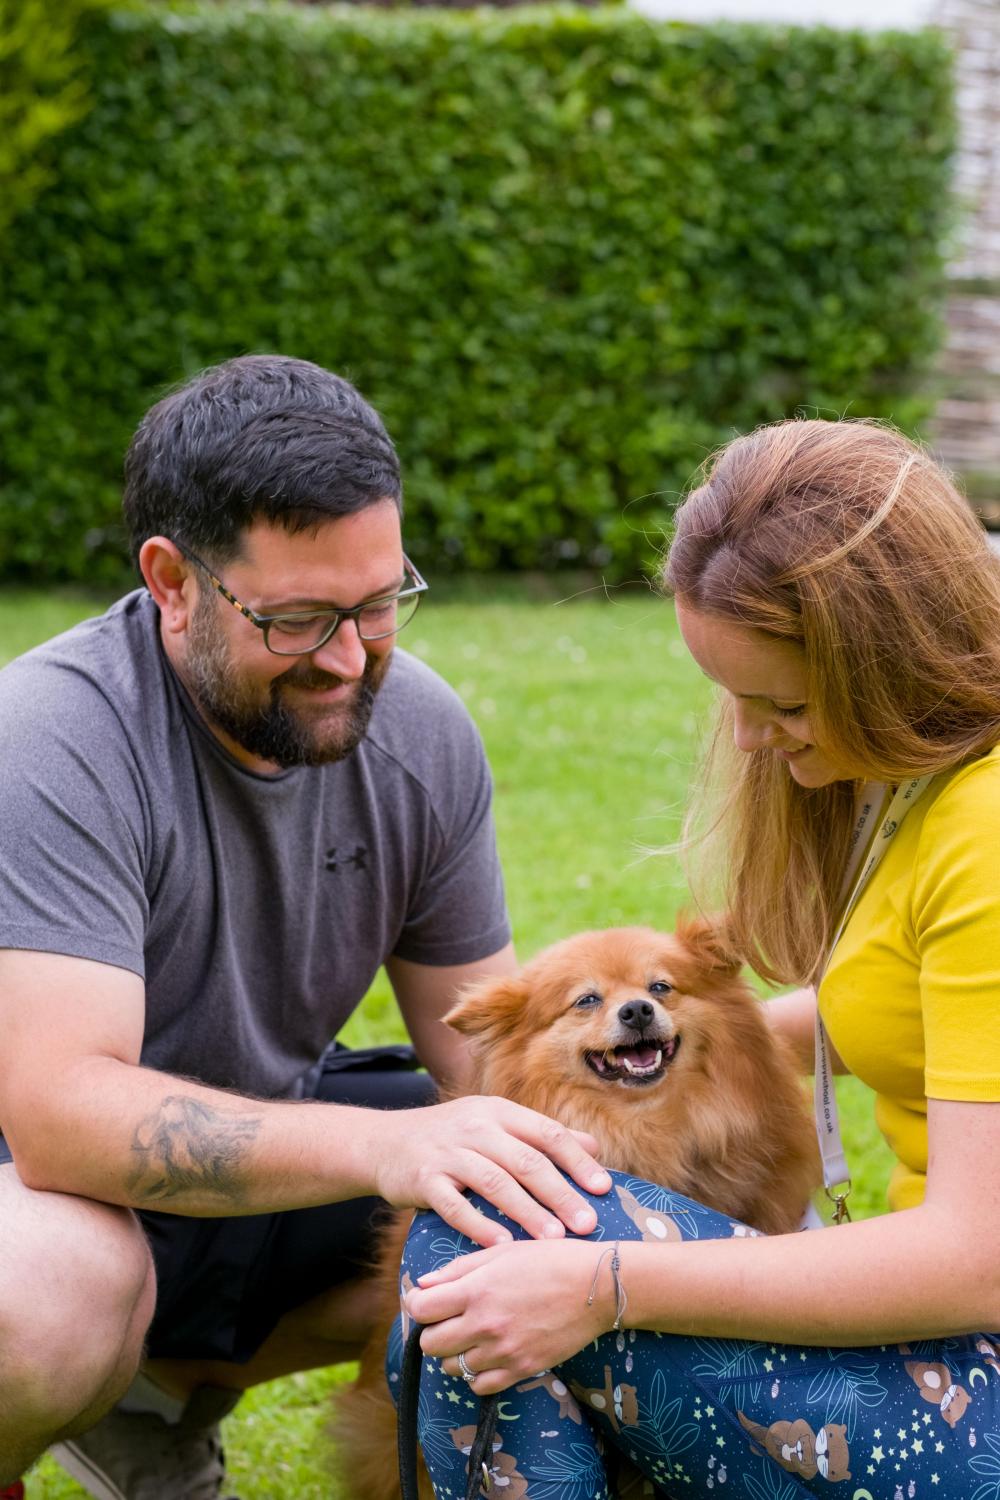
{"x": 224, "y": 1284}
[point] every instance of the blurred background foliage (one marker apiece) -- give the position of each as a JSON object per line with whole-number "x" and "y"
{"x": 566, "y": 252}
{"x": 43, "y": 90}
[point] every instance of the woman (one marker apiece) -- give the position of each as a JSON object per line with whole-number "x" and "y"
{"x": 828, "y": 577}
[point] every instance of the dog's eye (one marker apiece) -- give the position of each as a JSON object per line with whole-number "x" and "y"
{"x": 659, "y": 987}
{"x": 590, "y": 998}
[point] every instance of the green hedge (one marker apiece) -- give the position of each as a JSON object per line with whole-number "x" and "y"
{"x": 43, "y": 89}
{"x": 564, "y": 252}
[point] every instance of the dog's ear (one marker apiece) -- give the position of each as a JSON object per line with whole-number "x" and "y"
{"x": 708, "y": 941}
{"x": 490, "y": 1007}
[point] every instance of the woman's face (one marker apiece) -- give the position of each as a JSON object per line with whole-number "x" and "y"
{"x": 766, "y": 682}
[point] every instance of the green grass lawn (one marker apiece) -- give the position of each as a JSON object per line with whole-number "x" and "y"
{"x": 591, "y": 713}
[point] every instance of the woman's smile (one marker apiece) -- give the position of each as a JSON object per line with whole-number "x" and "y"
{"x": 768, "y": 688}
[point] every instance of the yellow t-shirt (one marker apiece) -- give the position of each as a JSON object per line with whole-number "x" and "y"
{"x": 911, "y": 998}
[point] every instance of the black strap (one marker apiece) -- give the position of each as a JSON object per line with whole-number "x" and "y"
{"x": 482, "y": 1448}
{"x": 406, "y": 1421}
{"x": 406, "y": 1427}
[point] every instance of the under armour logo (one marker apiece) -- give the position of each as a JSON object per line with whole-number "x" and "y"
{"x": 357, "y": 859}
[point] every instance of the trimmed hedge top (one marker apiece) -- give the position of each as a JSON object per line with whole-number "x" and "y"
{"x": 564, "y": 252}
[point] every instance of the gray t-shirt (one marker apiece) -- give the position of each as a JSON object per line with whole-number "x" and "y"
{"x": 256, "y": 908}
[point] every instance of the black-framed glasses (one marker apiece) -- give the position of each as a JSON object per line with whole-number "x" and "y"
{"x": 298, "y": 634}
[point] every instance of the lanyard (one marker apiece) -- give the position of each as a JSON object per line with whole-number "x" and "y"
{"x": 863, "y": 860}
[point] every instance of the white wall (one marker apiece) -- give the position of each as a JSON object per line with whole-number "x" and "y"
{"x": 870, "y": 14}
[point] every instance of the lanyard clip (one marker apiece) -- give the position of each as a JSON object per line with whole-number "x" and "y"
{"x": 838, "y": 1196}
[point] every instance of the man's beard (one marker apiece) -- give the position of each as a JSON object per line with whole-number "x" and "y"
{"x": 266, "y": 726}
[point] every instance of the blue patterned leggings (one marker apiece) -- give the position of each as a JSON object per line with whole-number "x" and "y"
{"x": 716, "y": 1417}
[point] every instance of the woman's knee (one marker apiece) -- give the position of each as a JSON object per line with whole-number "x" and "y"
{"x": 632, "y": 1210}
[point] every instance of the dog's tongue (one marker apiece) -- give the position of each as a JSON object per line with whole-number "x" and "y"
{"x": 639, "y": 1057}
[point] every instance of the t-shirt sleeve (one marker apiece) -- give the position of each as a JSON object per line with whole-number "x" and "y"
{"x": 72, "y": 826}
{"x": 457, "y": 913}
{"x": 956, "y": 914}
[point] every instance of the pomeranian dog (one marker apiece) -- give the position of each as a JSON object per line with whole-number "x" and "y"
{"x": 654, "y": 1044}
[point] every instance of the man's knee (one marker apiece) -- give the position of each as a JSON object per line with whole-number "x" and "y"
{"x": 76, "y": 1296}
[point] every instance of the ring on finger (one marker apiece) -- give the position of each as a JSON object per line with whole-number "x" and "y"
{"x": 469, "y": 1376}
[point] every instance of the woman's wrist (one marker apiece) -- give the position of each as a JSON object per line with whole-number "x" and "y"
{"x": 647, "y": 1289}
{"x": 607, "y": 1298}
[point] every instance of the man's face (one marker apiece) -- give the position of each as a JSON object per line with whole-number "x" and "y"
{"x": 294, "y": 710}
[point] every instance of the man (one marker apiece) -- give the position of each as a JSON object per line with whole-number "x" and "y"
{"x": 223, "y": 805}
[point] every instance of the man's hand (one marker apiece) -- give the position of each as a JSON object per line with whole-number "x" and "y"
{"x": 506, "y": 1153}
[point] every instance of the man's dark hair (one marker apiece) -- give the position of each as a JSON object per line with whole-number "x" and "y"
{"x": 262, "y": 437}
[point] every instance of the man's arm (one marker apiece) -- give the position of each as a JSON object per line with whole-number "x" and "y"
{"x": 81, "y": 1116}
{"x": 425, "y": 993}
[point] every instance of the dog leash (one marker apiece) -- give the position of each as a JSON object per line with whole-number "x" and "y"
{"x": 406, "y": 1415}
{"x": 480, "y": 1481}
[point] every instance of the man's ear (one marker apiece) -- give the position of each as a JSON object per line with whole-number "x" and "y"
{"x": 171, "y": 581}
{"x": 707, "y": 940}
{"x": 491, "y": 1007}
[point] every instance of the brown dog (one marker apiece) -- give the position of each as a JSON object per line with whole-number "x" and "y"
{"x": 653, "y": 1044}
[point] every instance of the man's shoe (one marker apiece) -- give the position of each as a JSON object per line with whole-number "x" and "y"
{"x": 139, "y": 1456}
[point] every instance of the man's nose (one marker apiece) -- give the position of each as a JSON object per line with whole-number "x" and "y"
{"x": 343, "y": 655}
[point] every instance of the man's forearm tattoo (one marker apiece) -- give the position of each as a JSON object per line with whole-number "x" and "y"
{"x": 187, "y": 1145}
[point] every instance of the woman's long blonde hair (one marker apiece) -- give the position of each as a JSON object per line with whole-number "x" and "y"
{"x": 846, "y": 539}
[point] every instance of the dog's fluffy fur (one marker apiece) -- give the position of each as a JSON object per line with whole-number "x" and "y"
{"x": 653, "y": 1044}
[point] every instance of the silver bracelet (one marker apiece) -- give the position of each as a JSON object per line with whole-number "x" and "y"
{"x": 621, "y": 1296}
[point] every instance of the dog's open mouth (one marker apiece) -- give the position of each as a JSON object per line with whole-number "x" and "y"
{"x": 634, "y": 1062}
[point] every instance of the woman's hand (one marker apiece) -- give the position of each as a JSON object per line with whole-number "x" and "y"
{"x": 514, "y": 1309}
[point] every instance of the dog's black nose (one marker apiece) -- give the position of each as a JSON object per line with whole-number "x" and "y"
{"x": 637, "y": 1013}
